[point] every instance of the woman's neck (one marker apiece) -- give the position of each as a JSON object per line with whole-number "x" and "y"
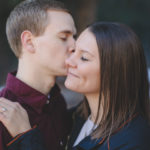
{"x": 93, "y": 101}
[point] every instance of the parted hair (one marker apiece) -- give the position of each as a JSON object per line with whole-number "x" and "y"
{"x": 124, "y": 85}
{"x": 29, "y": 15}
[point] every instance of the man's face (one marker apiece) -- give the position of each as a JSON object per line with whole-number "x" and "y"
{"x": 53, "y": 45}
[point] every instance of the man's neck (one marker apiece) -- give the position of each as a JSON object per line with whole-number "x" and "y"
{"x": 38, "y": 80}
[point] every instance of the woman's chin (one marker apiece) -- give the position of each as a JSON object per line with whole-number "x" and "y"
{"x": 69, "y": 85}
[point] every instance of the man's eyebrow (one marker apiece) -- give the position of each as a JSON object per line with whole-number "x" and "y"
{"x": 67, "y": 32}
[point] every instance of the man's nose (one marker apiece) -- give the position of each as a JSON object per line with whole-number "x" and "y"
{"x": 71, "y": 46}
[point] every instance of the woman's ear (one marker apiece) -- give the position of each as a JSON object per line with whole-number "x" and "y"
{"x": 26, "y": 40}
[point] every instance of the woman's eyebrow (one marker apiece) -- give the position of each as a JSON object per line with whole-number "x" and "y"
{"x": 86, "y": 51}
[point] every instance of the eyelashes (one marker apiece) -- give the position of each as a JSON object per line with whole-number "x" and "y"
{"x": 63, "y": 39}
{"x": 84, "y": 59}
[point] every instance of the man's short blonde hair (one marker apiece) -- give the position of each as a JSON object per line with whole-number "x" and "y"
{"x": 29, "y": 15}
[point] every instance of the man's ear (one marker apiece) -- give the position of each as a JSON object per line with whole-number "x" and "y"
{"x": 26, "y": 40}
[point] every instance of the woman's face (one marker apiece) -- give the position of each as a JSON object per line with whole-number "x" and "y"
{"x": 84, "y": 65}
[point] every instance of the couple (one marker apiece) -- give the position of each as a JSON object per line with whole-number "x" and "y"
{"x": 106, "y": 64}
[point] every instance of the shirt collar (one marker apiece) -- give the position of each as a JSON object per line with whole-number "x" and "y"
{"x": 28, "y": 95}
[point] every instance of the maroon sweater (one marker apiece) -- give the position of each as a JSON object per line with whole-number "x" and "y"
{"x": 50, "y": 116}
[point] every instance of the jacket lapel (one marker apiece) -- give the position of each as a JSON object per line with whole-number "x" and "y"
{"x": 78, "y": 123}
{"x": 89, "y": 144}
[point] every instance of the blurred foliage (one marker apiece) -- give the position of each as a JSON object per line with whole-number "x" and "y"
{"x": 83, "y": 11}
{"x": 7, "y": 59}
{"x": 135, "y": 13}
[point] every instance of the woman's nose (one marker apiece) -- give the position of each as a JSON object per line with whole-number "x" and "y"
{"x": 70, "y": 62}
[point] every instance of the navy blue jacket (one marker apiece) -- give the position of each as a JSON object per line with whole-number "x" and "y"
{"x": 135, "y": 135}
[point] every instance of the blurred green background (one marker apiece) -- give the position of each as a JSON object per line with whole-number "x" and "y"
{"x": 134, "y": 13}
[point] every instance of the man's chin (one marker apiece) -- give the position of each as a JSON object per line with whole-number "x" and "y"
{"x": 63, "y": 74}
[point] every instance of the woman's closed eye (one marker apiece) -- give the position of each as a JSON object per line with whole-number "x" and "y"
{"x": 84, "y": 58}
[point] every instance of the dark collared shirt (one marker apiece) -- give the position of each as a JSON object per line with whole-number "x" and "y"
{"x": 51, "y": 118}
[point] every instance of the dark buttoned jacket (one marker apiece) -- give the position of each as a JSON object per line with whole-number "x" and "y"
{"x": 49, "y": 114}
{"x": 133, "y": 135}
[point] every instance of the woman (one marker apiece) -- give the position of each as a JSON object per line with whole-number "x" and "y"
{"x": 108, "y": 67}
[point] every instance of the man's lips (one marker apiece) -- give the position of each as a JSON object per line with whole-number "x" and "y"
{"x": 72, "y": 74}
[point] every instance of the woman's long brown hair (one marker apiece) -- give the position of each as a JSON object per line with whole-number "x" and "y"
{"x": 123, "y": 76}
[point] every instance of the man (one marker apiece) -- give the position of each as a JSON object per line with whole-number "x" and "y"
{"x": 40, "y": 33}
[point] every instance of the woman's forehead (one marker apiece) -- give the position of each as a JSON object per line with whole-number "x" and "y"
{"x": 87, "y": 42}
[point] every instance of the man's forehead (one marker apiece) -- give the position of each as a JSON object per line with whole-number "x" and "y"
{"x": 62, "y": 20}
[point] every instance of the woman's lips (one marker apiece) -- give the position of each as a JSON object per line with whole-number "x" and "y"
{"x": 72, "y": 74}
